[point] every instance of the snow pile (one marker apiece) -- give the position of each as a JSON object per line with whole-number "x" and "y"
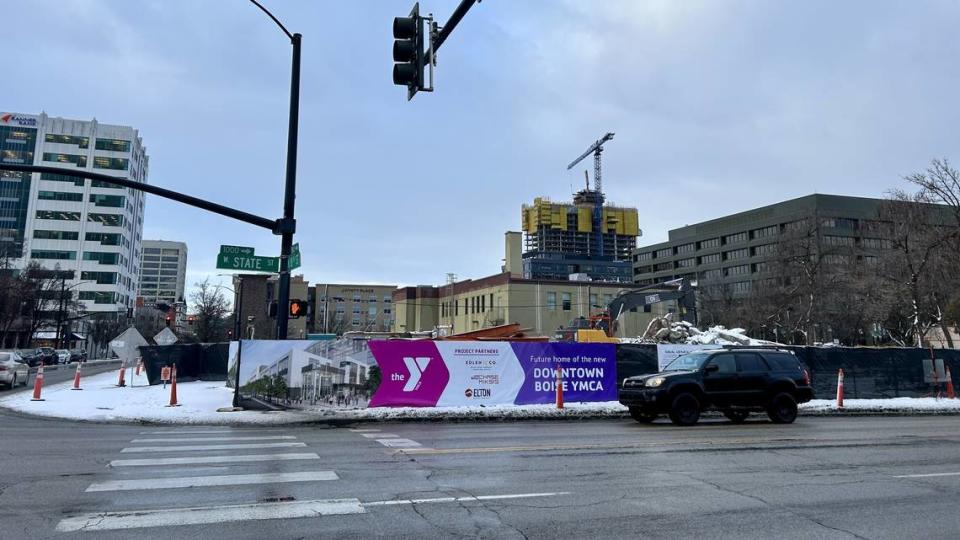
{"x": 474, "y": 412}
{"x": 666, "y": 330}
{"x": 902, "y": 404}
{"x": 101, "y": 400}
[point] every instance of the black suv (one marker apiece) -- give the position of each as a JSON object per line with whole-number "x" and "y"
{"x": 735, "y": 381}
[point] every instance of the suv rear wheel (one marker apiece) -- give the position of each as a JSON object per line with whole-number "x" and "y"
{"x": 736, "y": 416}
{"x": 782, "y": 409}
{"x": 685, "y": 409}
{"x": 642, "y": 416}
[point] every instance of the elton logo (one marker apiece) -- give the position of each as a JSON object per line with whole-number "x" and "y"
{"x": 415, "y": 367}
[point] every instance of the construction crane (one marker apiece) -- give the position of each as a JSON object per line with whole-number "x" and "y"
{"x": 596, "y": 149}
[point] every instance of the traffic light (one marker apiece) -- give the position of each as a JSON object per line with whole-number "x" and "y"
{"x": 272, "y": 310}
{"x": 298, "y": 308}
{"x": 408, "y": 51}
{"x": 191, "y": 319}
{"x": 169, "y": 318}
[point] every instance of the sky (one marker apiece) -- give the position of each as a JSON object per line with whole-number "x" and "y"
{"x": 718, "y": 107}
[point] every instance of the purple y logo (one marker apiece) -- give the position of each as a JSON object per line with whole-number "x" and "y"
{"x": 415, "y": 367}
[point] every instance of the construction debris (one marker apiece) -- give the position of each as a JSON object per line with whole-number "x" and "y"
{"x": 667, "y": 330}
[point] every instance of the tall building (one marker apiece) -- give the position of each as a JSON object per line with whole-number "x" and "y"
{"x": 89, "y": 227}
{"x": 353, "y": 307}
{"x": 562, "y": 239}
{"x": 542, "y": 306}
{"x": 730, "y": 254}
{"x": 163, "y": 272}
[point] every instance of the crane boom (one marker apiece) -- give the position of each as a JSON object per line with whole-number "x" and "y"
{"x": 596, "y": 149}
{"x": 591, "y": 150}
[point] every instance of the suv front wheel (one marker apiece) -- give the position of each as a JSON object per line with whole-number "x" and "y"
{"x": 782, "y": 409}
{"x": 685, "y": 409}
{"x": 642, "y": 416}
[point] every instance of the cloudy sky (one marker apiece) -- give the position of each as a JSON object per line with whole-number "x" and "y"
{"x": 718, "y": 106}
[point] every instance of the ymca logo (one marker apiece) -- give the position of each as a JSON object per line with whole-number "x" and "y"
{"x": 415, "y": 367}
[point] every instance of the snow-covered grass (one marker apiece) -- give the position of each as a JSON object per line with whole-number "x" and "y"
{"x": 102, "y": 401}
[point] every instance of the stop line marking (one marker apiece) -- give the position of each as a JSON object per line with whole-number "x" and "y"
{"x": 928, "y": 475}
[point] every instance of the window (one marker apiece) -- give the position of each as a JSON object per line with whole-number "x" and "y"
{"x": 713, "y": 274}
{"x": 835, "y": 258}
{"x": 724, "y": 362}
{"x": 79, "y": 161}
{"x": 839, "y": 223}
{"x": 736, "y": 238}
{"x": 760, "y": 267}
{"x": 838, "y": 240}
{"x": 62, "y": 178}
{"x": 98, "y": 297}
{"x": 871, "y": 260}
{"x": 82, "y": 142}
{"x": 766, "y": 232}
{"x": 782, "y": 361}
{"x": 593, "y": 300}
{"x": 116, "y": 164}
{"x": 110, "y": 220}
{"x": 646, "y": 256}
{"x": 566, "y": 301}
{"x": 662, "y": 253}
{"x": 106, "y": 239}
{"x": 740, "y": 287}
{"x": 372, "y": 311}
{"x": 710, "y": 259}
{"x": 58, "y": 215}
{"x": 59, "y": 196}
{"x": 686, "y": 248}
{"x": 102, "y": 278}
{"x": 387, "y": 299}
{"x": 112, "y": 201}
{"x": 737, "y": 254}
{"x": 876, "y": 243}
{"x": 53, "y": 254}
{"x": 751, "y": 363}
{"x": 607, "y": 298}
{"x": 766, "y": 249}
{"x": 491, "y": 300}
{"x": 151, "y": 251}
{"x": 552, "y": 301}
{"x": 687, "y": 263}
{"x": 56, "y": 235}
{"x": 662, "y": 266}
{"x": 101, "y": 257}
{"x": 711, "y": 243}
{"x": 738, "y": 270}
{"x": 113, "y": 145}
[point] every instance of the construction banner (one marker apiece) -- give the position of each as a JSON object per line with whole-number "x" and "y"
{"x": 458, "y": 373}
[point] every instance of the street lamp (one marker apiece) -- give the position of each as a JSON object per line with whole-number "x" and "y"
{"x": 288, "y": 224}
{"x": 63, "y": 289}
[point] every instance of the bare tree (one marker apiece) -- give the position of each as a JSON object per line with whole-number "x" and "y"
{"x": 210, "y": 308}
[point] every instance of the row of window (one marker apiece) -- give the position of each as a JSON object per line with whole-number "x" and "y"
{"x": 473, "y": 304}
{"x": 566, "y": 300}
{"x": 110, "y": 220}
{"x": 106, "y": 239}
{"x": 113, "y": 145}
{"x": 711, "y": 258}
{"x": 358, "y": 298}
{"x": 66, "y": 255}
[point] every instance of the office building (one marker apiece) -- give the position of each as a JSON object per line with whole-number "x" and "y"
{"x": 563, "y": 239}
{"x": 89, "y": 227}
{"x": 163, "y": 272}
{"x": 353, "y": 307}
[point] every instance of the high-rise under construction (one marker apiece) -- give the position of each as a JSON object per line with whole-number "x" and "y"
{"x": 562, "y": 239}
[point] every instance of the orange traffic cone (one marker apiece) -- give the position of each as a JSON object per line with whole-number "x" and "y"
{"x": 123, "y": 373}
{"x": 76, "y": 378}
{"x": 38, "y": 384}
{"x": 840, "y": 389}
{"x": 559, "y": 388}
{"x": 173, "y": 388}
{"x": 950, "y": 394}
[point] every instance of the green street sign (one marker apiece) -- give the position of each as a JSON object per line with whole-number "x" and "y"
{"x": 236, "y": 250}
{"x": 251, "y": 263}
{"x": 294, "y": 261}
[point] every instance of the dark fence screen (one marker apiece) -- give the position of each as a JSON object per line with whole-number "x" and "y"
{"x": 205, "y": 361}
{"x": 868, "y": 372}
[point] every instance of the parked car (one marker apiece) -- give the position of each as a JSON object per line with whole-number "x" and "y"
{"x": 31, "y": 357}
{"x": 13, "y": 370}
{"x": 63, "y": 356}
{"x": 78, "y": 356}
{"x": 736, "y": 381}
{"x": 48, "y": 354}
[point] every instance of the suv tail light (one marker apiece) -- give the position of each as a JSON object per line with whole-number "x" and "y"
{"x": 3, "y": 368}
{"x": 806, "y": 377}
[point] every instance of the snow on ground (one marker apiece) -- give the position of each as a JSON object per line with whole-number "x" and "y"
{"x": 102, "y": 401}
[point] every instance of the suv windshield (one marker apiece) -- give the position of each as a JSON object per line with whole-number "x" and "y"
{"x": 687, "y": 361}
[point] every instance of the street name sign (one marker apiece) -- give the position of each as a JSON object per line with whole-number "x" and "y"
{"x": 250, "y": 263}
{"x": 236, "y": 250}
{"x": 294, "y": 257}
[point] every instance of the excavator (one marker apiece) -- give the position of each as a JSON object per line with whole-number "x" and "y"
{"x": 602, "y": 327}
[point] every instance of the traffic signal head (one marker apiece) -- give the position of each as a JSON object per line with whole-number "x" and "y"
{"x": 298, "y": 308}
{"x": 408, "y": 51}
{"x": 191, "y": 319}
{"x": 169, "y": 318}
{"x": 272, "y": 309}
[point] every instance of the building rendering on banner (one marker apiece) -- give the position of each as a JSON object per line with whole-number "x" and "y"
{"x": 561, "y": 239}
{"x": 90, "y": 228}
{"x": 540, "y": 305}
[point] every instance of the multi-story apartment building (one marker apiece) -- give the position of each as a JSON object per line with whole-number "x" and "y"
{"x": 353, "y": 307}
{"x": 163, "y": 272}
{"x": 89, "y": 227}
{"x": 732, "y": 253}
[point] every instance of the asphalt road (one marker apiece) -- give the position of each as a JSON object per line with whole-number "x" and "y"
{"x": 819, "y": 478}
{"x": 62, "y": 373}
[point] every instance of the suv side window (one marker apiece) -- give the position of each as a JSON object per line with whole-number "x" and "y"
{"x": 782, "y": 361}
{"x": 725, "y": 362}
{"x": 750, "y": 362}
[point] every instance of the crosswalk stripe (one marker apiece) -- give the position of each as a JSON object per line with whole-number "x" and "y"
{"x": 378, "y": 435}
{"x": 209, "y": 447}
{"x": 364, "y": 430}
{"x": 214, "y": 439}
{"x": 212, "y": 459}
{"x": 465, "y": 499}
{"x": 138, "y": 519}
{"x": 206, "y": 481}
{"x": 202, "y": 431}
{"x": 399, "y": 443}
